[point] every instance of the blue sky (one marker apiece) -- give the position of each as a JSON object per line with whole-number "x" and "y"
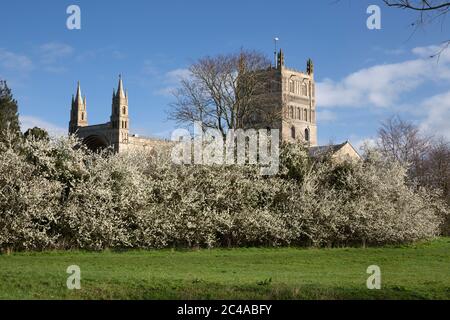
{"x": 363, "y": 75}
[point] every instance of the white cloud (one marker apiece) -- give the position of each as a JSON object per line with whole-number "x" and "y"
{"x": 431, "y": 51}
{"x": 172, "y": 79}
{"x": 52, "y": 52}
{"x": 175, "y": 76}
{"x": 14, "y": 61}
{"x": 383, "y": 85}
{"x": 52, "y": 55}
{"x": 437, "y": 122}
{"x": 390, "y": 51}
{"x": 326, "y": 116}
{"x": 28, "y": 122}
{"x": 100, "y": 53}
{"x": 55, "y": 69}
{"x": 395, "y": 52}
{"x": 166, "y": 91}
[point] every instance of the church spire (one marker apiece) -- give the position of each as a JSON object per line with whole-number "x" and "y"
{"x": 120, "y": 92}
{"x": 78, "y": 114}
{"x": 78, "y": 98}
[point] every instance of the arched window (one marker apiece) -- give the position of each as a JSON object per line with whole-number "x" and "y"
{"x": 298, "y": 114}
{"x": 291, "y": 112}
{"x": 124, "y": 110}
{"x": 305, "y": 115}
{"x": 82, "y": 116}
{"x": 307, "y": 135}
{"x": 293, "y": 132}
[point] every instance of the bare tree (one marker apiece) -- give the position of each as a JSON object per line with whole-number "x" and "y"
{"x": 428, "y": 158}
{"x": 438, "y": 167}
{"x": 420, "y": 5}
{"x": 224, "y": 92}
{"x": 428, "y": 12}
{"x": 438, "y": 174}
{"x": 401, "y": 141}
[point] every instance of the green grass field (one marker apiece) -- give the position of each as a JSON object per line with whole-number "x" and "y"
{"x": 419, "y": 271}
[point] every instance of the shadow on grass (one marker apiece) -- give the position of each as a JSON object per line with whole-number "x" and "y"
{"x": 199, "y": 290}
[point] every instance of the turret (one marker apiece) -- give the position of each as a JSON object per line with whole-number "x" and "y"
{"x": 280, "y": 59}
{"x": 78, "y": 112}
{"x": 310, "y": 67}
{"x": 119, "y": 116}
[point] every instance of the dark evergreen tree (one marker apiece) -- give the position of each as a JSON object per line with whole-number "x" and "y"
{"x": 37, "y": 134}
{"x": 9, "y": 117}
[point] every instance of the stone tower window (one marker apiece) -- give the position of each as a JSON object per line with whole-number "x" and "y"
{"x": 307, "y": 135}
{"x": 293, "y": 132}
{"x": 304, "y": 90}
{"x": 124, "y": 110}
{"x": 305, "y": 117}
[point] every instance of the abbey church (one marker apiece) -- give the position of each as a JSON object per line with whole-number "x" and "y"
{"x": 115, "y": 133}
{"x": 294, "y": 96}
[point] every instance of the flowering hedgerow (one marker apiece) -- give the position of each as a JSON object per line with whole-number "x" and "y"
{"x": 57, "y": 194}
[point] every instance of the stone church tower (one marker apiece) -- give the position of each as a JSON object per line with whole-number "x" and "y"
{"x": 119, "y": 118}
{"x": 298, "y": 100}
{"x": 78, "y": 113}
{"x": 113, "y": 134}
{"x": 292, "y": 96}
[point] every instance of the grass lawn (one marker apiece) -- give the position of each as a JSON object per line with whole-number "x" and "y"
{"x": 419, "y": 271}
